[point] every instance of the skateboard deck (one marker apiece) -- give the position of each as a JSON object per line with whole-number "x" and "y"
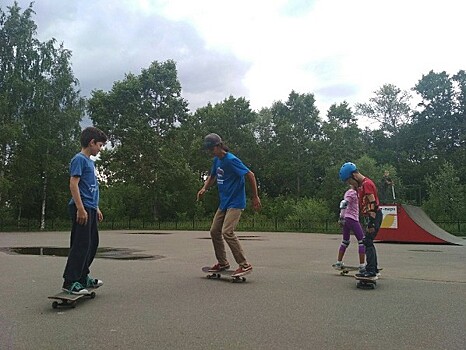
{"x": 366, "y": 282}
{"x": 228, "y": 273}
{"x": 346, "y": 269}
{"x": 65, "y": 299}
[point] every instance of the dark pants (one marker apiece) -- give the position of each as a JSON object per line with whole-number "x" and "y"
{"x": 83, "y": 246}
{"x": 371, "y": 254}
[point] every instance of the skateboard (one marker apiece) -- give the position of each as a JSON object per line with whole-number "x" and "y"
{"x": 218, "y": 275}
{"x": 366, "y": 282}
{"x": 346, "y": 269}
{"x": 65, "y": 299}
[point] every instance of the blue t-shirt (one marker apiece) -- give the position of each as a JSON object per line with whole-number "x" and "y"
{"x": 84, "y": 168}
{"x": 230, "y": 172}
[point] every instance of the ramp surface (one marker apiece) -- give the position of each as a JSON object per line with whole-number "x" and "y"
{"x": 414, "y": 226}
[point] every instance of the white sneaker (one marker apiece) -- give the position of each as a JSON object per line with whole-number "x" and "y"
{"x": 338, "y": 265}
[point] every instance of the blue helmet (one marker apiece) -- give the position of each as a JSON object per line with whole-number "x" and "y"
{"x": 347, "y": 170}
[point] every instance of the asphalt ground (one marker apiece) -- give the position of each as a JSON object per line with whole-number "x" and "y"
{"x": 293, "y": 299}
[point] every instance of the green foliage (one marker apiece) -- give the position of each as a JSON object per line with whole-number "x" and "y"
{"x": 310, "y": 209}
{"x": 390, "y": 107}
{"x": 289, "y": 143}
{"x": 141, "y": 115}
{"x": 154, "y": 167}
{"x": 447, "y": 196}
{"x": 341, "y": 139}
{"x": 40, "y": 111}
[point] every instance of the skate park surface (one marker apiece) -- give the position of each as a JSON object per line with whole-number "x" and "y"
{"x": 293, "y": 299}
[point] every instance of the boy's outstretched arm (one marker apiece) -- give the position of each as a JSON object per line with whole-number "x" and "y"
{"x": 256, "y": 202}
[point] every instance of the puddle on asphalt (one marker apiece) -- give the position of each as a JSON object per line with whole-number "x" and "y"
{"x": 103, "y": 253}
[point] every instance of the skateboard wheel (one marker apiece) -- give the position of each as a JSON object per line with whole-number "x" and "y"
{"x": 243, "y": 279}
{"x": 92, "y": 295}
{"x": 55, "y": 305}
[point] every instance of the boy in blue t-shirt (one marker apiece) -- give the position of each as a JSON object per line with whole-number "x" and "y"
{"x": 229, "y": 172}
{"x": 84, "y": 211}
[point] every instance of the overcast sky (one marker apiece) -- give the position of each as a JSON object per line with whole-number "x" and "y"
{"x": 259, "y": 49}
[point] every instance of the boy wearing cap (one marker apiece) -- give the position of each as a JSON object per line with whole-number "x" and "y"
{"x": 229, "y": 173}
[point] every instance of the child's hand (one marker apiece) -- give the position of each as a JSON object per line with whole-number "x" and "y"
{"x": 100, "y": 216}
{"x": 201, "y": 193}
{"x": 81, "y": 216}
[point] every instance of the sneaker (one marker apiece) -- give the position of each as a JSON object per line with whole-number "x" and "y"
{"x": 362, "y": 269}
{"x": 74, "y": 288}
{"x": 93, "y": 282}
{"x": 367, "y": 274}
{"x": 242, "y": 270}
{"x": 218, "y": 267}
{"x": 338, "y": 265}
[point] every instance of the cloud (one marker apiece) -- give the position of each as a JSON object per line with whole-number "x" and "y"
{"x": 261, "y": 49}
{"x": 108, "y": 40}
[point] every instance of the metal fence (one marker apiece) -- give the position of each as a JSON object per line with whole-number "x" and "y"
{"x": 457, "y": 227}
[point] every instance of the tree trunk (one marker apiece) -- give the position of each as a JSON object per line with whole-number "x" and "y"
{"x": 18, "y": 220}
{"x": 44, "y": 200}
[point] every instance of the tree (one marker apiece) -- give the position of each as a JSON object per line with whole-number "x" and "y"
{"x": 446, "y": 194}
{"x": 390, "y": 107}
{"x": 290, "y": 166}
{"x": 40, "y": 108}
{"x": 341, "y": 139}
{"x": 142, "y": 115}
{"x": 459, "y": 158}
{"x": 435, "y": 132}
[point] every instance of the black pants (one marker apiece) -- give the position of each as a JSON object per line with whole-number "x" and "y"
{"x": 371, "y": 253}
{"x": 83, "y": 246}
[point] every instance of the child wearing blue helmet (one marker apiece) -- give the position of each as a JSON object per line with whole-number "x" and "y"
{"x": 369, "y": 210}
